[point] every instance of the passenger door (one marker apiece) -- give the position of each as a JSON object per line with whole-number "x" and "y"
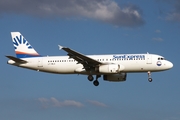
{"x": 149, "y": 59}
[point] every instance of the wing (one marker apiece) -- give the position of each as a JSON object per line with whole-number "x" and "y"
{"x": 86, "y": 61}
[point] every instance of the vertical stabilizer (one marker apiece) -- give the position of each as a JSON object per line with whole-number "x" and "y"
{"x": 22, "y": 47}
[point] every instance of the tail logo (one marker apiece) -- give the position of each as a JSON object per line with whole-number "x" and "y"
{"x": 22, "y": 47}
{"x": 21, "y": 42}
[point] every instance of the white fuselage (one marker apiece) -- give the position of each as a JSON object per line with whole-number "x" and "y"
{"x": 64, "y": 65}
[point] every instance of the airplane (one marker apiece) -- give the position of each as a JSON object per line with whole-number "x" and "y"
{"x": 112, "y": 67}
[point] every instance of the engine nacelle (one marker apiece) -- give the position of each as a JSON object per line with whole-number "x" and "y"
{"x": 115, "y": 77}
{"x": 110, "y": 68}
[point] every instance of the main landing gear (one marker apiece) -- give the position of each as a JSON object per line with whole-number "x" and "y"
{"x": 149, "y": 76}
{"x": 91, "y": 78}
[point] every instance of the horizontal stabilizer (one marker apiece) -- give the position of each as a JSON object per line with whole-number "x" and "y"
{"x": 17, "y": 60}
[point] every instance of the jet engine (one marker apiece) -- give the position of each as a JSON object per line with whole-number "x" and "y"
{"x": 115, "y": 77}
{"x": 110, "y": 68}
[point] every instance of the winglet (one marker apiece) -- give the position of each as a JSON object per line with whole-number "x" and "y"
{"x": 60, "y": 47}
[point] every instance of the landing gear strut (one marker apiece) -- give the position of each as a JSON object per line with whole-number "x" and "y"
{"x": 149, "y": 76}
{"x": 96, "y": 82}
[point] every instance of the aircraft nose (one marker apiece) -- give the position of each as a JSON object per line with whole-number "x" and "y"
{"x": 169, "y": 64}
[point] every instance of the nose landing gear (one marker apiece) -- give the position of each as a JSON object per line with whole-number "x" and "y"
{"x": 149, "y": 76}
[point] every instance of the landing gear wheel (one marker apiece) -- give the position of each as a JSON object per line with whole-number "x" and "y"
{"x": 150, "y": 79}
{"x": 149, "y": 76}
{"x": 90, "y": 78}
{"x": 96, "y": 83}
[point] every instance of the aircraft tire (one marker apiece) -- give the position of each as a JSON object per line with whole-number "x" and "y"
{"x": 96, "y": 83}
{"x": 90, "y": 78}
{"x": 150, "y": 79}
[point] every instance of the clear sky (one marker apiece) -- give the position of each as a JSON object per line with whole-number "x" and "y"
{"x": 90, "y": 27}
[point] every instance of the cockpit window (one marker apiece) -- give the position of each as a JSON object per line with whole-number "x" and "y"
{"x": 161, "y": 58}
